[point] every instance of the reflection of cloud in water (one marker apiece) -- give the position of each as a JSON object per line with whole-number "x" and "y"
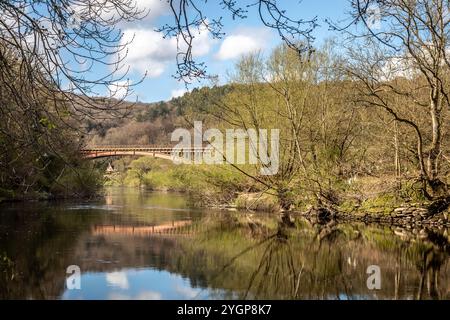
{"x": 118, "y": 296}
{"x": 117, "y": 279}
{"x": 138, "y": 284}
{"x": 186, "y": 292}
{"x": 144, "y": 295}
{"x": 149, "y": 295}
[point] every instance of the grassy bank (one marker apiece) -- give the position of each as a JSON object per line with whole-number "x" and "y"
{"x": 206, "y": 185}
{"x": 213, "y": 186}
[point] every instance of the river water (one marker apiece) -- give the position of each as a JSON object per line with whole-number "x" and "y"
{"x": 134, "y": 244}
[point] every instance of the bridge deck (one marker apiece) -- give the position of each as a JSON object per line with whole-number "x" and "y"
{"x": 164, "y": 152}
{"x": 137, "y": 148}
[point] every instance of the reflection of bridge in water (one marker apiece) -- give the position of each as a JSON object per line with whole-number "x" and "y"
{"x": 183, "y": 227}
{"x": 162, "y": 152}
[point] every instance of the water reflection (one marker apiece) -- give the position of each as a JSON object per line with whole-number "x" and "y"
{"x": 138, "y": 245}
{"x": 135, "y": 284}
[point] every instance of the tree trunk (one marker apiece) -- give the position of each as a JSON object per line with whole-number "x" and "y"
{"x": 398, "y": 169}
{"x": 438, "y": 187}
{"x": 435, "y": 150}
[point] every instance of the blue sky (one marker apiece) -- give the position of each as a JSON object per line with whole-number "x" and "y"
{"x": 149, "y": 52}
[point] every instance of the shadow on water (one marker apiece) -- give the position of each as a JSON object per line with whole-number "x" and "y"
{"x": 138, "y": 245}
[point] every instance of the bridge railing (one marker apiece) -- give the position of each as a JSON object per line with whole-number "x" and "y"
{"x": 137, "y": 148}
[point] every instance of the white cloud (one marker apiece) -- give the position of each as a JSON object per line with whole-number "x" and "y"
{"x": 117, "y": 279}
{"x": 119, "y": 89}
{"x": 153, "y": 8}
{"x": 244, "y": 42}
{"x": 396, "y": 67}
{"x": 201, "y": 43}
{"x": 177, "y": 93}
{"x": 149, "y": 52}
{"x": 187, "y": 292}
{"x": 149, "y": 11}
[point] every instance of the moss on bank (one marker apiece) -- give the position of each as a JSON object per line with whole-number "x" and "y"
{"x": 384, "y": 203}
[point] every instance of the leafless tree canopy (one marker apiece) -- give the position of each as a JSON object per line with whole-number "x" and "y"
{"x": 191, "y": 18}
{"x": 406, "y": 39}
{"x": 66, "y": 39}
{"x": 56, "y": 44}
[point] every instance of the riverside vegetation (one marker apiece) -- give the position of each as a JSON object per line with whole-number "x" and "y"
{"x": 339, "y": 151}
{"x": 363, "y": 126}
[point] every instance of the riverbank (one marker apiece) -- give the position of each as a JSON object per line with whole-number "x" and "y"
{"x": 43, "y": 197}
{"x": 84, "y": 181}
{"x": 367, "y": 199}
{"x": 408, "y": 216}
{"x": 412, "y": 216}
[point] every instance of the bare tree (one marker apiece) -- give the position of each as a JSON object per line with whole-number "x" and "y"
{"x": 56, "y": 44}
{"x": 189, "y": 18}
{"x": 402, "y": 55}
{"x": 51, "y": 57}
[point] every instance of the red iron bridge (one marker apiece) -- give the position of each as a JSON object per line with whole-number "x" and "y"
{"x": 162, "y": 152}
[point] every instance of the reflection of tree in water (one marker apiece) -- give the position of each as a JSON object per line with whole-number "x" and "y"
{"x": 276, "y": 268}
{"x": 328, "y": 261}
{"x": 7, "y": 275}
{"x": 431, "y": 259}
{"x": 428, "y": 258}
{"x": 282, "y": 273}
{"x": 37, "y": 252}
{"x": 246, "y": 256}
{"x": 278, "y": 271}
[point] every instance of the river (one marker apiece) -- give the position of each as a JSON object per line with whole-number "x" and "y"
{"x": 134, "y": 244}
